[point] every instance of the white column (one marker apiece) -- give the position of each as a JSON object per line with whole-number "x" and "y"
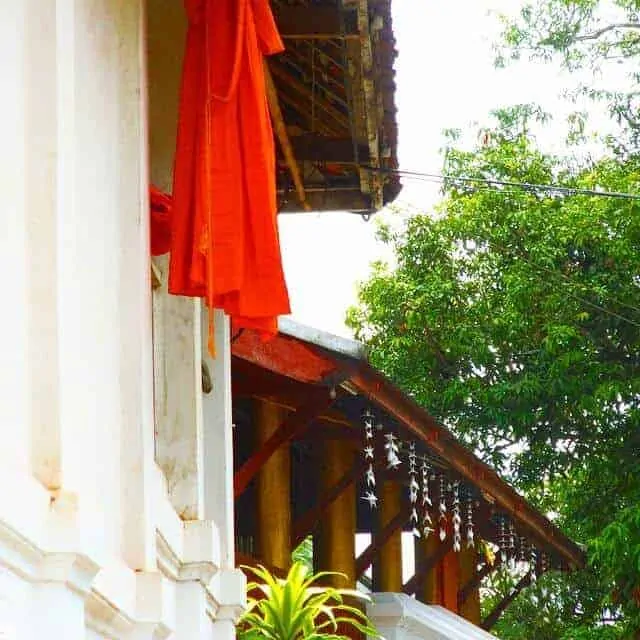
{"x": 178, "y": 399}
{"x": 228, "y": 585}
{"x": 41, "y": 173}
{"x": 192, "y": 621}
{"x": 218, "y": 438}
{"x": 18, "y": 174}
{"x": 138, "y": 470}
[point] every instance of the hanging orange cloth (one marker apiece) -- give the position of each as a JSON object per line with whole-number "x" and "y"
{"x": 160, "y": 226}
{"x": 224, "y": 240}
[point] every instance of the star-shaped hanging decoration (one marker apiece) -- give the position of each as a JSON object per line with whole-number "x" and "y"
{"x": 393, "y": 462}
{"x": 370, "y": 477}
{"x": 413, "y": 495}
{"x": 392, "y": 442}
{"x": 414, "y": 516}
{"x": 371, "y": 498}
{"x": 368, "y": 453}
{"x": 369, "y": 432}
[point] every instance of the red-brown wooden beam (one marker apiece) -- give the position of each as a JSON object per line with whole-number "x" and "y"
{"x": 368, "y": 555}
{"x": 413, "y": 584}
{"x": 474, "y": 583}
{"x": 500, "y": 608}
{"x": 304, "y": 525}
{"x": 289, "y": 429}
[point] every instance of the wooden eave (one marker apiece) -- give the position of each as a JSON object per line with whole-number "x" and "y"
{"x": 335, "y": 87}
{"x": 291, "y": 362}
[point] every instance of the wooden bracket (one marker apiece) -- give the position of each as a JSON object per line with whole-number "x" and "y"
{"x": 413, "y": 584}
{"x": 500, "y": 608}
{"x": 304, "y": 525}
{"x": 288, "y": 430}
{"x": 367, "y": 556}
{"x": 475, "y": 581}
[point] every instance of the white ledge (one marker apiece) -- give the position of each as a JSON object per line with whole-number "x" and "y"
{"x": 400, "y": 617}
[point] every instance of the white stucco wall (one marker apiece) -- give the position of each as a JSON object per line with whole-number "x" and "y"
{"x": 91, "y": 545}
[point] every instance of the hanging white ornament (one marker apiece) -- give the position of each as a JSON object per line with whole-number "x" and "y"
{"x": 392, "y": 449}
{"x": 512, "y": 546}
{"x": 533, "y": 563}
{"x": 442, "y": 510}
{"x": 370, "y": 477}
{"x": 455, "y": 519}
{"x": 469, "y": 521}
{"x": 502, "y": 538}
{"x": 371, "y": 498}
{"x": 369, "y": 455}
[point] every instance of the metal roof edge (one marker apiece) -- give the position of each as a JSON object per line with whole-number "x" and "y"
{"x": 323, "y": 339}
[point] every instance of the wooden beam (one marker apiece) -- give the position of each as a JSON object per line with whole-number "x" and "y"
{"x": 317, "y": 148}
{"x": 423, "y": 567}
{"x": 367, "y": 556}
{"x": 307, "y": 21}
{"x": 474, "y": 582}
{"x": 283, "y": 137}
{"x": 292, "y": 425}
{"x": 328, "y": 199}
{"x": 500, "y": 608}
{"x": 289, "y": 81}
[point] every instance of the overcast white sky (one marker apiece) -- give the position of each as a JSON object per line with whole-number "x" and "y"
{"x": 445, "y": 79}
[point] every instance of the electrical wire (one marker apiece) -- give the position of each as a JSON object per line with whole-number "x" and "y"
{"x": 530, "y": 186}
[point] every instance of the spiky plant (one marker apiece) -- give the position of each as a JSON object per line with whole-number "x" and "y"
{"x": 297, "y": 608}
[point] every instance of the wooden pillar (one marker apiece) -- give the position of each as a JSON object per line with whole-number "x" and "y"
{"x": 450, "y": 577}
{"x": 273, "y": 491}
{"x": 334, "y": 542}
{"x": 430, "y": 591}
{"x": 470, "y": 608}
{"x": 387, "y": 569}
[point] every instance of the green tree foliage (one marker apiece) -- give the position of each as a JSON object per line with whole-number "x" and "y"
{"x": 597, "y": 35}
{"x": 513, "y": 315}
{"x": 297, "y": 608}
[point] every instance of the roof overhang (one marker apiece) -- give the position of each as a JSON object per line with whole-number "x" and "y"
{"x": 312, "y": 357}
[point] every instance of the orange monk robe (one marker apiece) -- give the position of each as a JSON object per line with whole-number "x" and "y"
{"x": 224, "y": 245}
{"x": 160, "y": 226}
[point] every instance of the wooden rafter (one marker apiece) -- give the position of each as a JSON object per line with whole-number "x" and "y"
{"x": 292, "y": 425}
{"x": 302, "y": 107}
{"x": 302, "y": 20}
{"x": 283, "y": 138}
{"x": 321, "y": 148}
{"x": 302, "y": 89}
{"x": 500, "y": 608}
{"x": 367, "y": 556}
{"x": 425, "y": 565}
{"x": 474, "y": 582}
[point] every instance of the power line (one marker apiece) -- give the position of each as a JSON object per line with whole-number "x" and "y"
{"x": 443, "y": 178}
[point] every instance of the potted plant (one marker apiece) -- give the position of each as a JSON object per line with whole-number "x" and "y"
{"x": 298, "y": 608}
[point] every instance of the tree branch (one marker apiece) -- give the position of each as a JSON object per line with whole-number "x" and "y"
{"x": 600, "y": 32}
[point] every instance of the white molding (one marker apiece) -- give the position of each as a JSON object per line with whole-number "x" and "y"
{"x": 398, "y": 616}
{"x": 227, "y": 595}
{"x": 75, "y": 570}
